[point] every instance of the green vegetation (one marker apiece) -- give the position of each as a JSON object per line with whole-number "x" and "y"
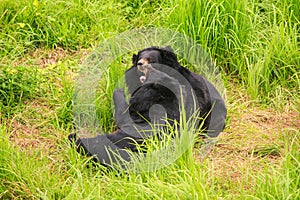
{"x": 254, "y": 43}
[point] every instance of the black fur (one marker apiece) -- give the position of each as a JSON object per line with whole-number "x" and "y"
{"x": 146, "y": 95}
{"x": 198, "y": 83}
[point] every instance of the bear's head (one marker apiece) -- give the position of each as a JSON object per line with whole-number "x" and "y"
{"x": 164, "y": 56}
{"x": 151, "y": 55}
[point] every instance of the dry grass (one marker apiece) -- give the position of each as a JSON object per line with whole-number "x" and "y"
{"x": 32, "y": 128}
{"x": 46, "y": 57}
{"x": 252, "y": 140}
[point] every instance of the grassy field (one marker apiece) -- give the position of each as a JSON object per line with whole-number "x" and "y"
{"x": 255, "y": 45}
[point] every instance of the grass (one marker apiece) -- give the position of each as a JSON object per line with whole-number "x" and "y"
{"x": 284, "y": 183}
{"x": 258, "y": 43}
{"x": 255, "y": 45}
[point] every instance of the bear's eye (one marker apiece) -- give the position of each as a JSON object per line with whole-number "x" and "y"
{"x": 150, "y": 60}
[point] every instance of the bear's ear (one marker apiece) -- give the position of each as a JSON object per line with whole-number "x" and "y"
{"x": 168, "y": 48}
{"x": 169, "y": 57}
{"x": 134, "y": 59}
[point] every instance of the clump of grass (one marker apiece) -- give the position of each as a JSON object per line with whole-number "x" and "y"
{"x": 267, "y": 150}
{"x": 22, "y": 85}
{"x": 113, "y": 77}
{"x": 17, "y": 85}
{"x": 284, "y": 182}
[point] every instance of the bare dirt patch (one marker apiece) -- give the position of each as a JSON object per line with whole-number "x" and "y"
{"x": 32, "y": 128}
{"x": 44, "y": 58}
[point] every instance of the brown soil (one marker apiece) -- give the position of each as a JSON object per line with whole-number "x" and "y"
{"x": 252, "y": 137}
{"x": 31, "y": 128}
{"x": 44, "y": 58}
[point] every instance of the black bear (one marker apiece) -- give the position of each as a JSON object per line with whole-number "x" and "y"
{"x": 154, "y": 80}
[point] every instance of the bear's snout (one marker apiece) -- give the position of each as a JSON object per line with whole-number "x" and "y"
{"x": 142, "y": 61}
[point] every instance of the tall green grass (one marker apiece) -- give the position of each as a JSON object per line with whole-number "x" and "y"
{"x": 26, "y": 25}
{"x": 61, "y": 173}
{"x": 30, "y": 24}
{"x": 255, "y": 42}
